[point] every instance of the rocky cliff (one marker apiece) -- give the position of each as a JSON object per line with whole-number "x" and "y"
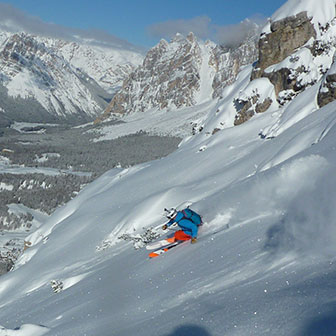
{"x": 229, "y": 60}
{"x": 168, "y": 77}
{"x": 286, "y": 36}
{"x": 182, "y": 73}
{"x": 295, "y": 52}
{"x": 327, "y": 92}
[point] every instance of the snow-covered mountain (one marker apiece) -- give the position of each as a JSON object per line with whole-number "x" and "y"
{"x": 107, "y": 66}
{"x": 65, "y": 79}
{"x": 264, "y": 263}
{"x": 185, "y": 72}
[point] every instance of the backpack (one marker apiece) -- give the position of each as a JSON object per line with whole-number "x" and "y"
{"x": 192, "y": 216}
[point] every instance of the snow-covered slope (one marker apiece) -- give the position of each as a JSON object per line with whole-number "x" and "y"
{"x": 264, "y": 262}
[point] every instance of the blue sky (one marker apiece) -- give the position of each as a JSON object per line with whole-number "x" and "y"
{"x": 144, "y": 22}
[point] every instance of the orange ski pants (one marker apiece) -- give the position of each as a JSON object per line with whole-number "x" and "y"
{"x": 180, "y": 235}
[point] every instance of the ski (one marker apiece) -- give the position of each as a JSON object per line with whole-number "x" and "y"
{"x": 160, "y": 243}
{"x": 162, "y": 250}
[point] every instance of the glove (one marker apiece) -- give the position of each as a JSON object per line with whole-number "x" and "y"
{"x": 193, "y": 240}
{"x": 165, "y": 227}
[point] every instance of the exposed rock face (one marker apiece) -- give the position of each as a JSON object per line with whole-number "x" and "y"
{"x": 286, "y": 36}
{"x": 294, "y": 54}
{"x": 327, "y": 92}
{"x": 3, "y": 268}
{"x": 263, "y": 106}
{"x": 169, "y": 77}
{"x": 31, "y": 70}
{"x": 245, "y": 112}
{"x": 228, "y": 62}
{"x": 257, "y": 97}
{"x": 107, "y": 66}
{"x": 181, "y": 73}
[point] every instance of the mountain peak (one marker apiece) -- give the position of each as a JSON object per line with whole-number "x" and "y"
{"x": 191, "y": 37}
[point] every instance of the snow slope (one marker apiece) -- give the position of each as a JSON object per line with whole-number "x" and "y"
{"x": 265, "y": 260}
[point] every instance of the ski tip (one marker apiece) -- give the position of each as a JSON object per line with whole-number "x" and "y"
{"x": 153, "y": 255}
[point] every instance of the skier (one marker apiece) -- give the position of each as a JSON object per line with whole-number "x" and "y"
{"x": 188, "y": 220}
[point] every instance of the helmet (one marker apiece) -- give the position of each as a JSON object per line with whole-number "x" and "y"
{"x": 170, "y": 213}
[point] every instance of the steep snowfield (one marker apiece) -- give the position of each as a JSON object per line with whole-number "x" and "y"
{"x": 265, "y": 260}
{"x": 207, "y": 74}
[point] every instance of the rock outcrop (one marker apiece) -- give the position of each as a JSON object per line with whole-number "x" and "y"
{"x": 257, "y": 97}
{"x": 327, "y": 92}
{"x": 294, "y": 53}
{"x": 286, "y": 36}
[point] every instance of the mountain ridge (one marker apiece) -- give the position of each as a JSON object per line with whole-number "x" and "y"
{"x": 181, "y": 73}
{"x": 66, "y": 79}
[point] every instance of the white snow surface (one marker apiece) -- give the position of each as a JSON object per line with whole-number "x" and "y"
{"x": 5, "y": 186}
{"x": 296, "y": 110}
{"x": 161, "y": 122}
{"x": 24, "y": 330}
{"x": 264, "y": 263}
{"x": 207, "y": 74}
{"x": 19, "y": 126}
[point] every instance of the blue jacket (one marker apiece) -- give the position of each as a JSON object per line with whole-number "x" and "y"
{"x": 188, "y": 220}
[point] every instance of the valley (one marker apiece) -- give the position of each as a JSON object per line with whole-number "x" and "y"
{"x": 43, "y": 166}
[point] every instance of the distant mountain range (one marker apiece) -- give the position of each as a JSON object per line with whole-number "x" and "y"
{"x": 48, "y": 79}
{"x": 182, "y": 73}
{"x": 45, "y": 79}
